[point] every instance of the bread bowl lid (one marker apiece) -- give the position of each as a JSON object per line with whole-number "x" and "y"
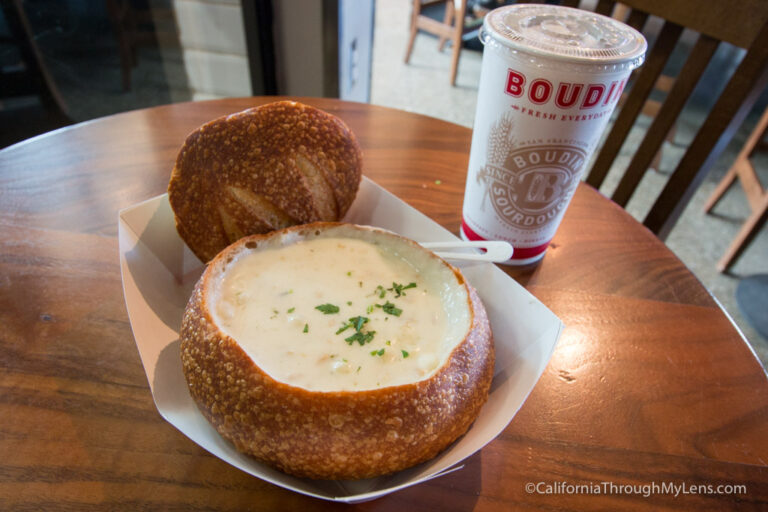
{"x": 159, "y": 273}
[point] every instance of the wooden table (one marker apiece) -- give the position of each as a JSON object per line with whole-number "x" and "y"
{"x": 650, "y": 382}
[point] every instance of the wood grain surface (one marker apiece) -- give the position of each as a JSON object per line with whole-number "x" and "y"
{"x": 650, "y": 383}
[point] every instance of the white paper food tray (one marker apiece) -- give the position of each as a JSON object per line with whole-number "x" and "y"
{"x": 159, "y": 272}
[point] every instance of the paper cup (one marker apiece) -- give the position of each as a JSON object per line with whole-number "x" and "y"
{"x": 550, "y": 79}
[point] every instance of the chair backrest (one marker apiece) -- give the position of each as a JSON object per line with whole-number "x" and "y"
{"x": 743, "y": 24}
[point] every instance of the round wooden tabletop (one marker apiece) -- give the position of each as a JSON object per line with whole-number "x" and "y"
{"x": 651, "y": 400}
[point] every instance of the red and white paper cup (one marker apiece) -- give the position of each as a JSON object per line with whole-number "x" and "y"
{"x": 550, "y": 79}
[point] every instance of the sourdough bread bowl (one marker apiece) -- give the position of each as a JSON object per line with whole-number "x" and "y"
{"x": 336, "y": 351}
{"x": 266, "y": 168}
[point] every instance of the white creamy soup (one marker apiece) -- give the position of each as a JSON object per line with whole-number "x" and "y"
{"x": 332, "y": 314}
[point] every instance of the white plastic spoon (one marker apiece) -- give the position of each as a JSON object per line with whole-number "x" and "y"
{"x": 496, "y": 251}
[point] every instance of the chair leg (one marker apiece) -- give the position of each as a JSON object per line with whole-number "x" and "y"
{"x": 741, "y": 160}
{"x": 414, "y": 29}
{"x": 721, "y": 188}
{"x": 458, "y": 31}
{"x": 656, "y": 163}
{"x": 747, "y": 233}
{"x": 450, "y": 12}
{"x": 455, "y": 58}
{"x": 672, "y": 134}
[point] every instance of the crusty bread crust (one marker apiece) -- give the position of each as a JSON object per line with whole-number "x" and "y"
{"x": 262, "y": 169}
{"x": 331, "y": 435}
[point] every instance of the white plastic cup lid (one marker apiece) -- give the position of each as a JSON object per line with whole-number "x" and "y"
{"x": 565, "y": 33}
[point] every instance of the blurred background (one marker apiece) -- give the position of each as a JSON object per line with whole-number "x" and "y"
{"x": 70, "y": 61}
{"x": 65, "y": 62}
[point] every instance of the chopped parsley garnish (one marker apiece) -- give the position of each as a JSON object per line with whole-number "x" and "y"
{"x": 399, "y": 289}
{"x": 358, "y": 322}
{"x": 390, "y": 309}
{"x": 358, "y": 369}
{"x": 327, "y": 309}
{"x": 292, "y": 310}
{"x": 388, "y": 343}
{"x": 377, "y": 352}
{"x": 405, "y": 354}
{"x": 344, "y": 327}
{"x": 361, "y": 337}
{"x": 369, "y": 309}
{"x": 306, "y": 328}
{"x": 349, "y": 303}
{"x": 380, "y": 291}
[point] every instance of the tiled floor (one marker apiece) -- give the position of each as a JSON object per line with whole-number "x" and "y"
{"x": 699, "y": 240}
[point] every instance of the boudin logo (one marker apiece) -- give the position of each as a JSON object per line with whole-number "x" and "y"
{"x": 528, "y": 186}
{"x": 564, "y": 95}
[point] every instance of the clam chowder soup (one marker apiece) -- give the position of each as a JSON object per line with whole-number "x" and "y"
{"x": 334, "y": 314}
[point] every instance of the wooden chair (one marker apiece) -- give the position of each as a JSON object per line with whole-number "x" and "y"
{"x": 757, "y": 196}
{"x": 28, "y": 78}
{"x": 127, "y": 21}
{"x": 652, "y": 107}
{"x": 744, "y": 25}
{"x": 451, "y": 28}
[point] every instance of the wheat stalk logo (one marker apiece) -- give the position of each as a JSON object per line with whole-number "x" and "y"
{"x": 500, "y": 143}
